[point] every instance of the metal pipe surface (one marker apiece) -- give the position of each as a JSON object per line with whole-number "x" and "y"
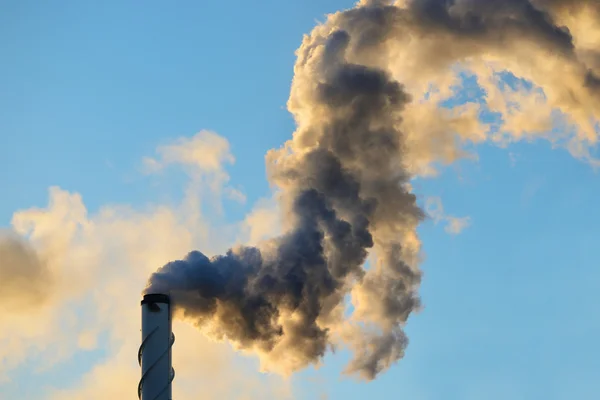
{"x": 154, "y": 355}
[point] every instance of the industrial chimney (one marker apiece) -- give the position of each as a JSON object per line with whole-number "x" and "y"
{"x": 154, "y": 355}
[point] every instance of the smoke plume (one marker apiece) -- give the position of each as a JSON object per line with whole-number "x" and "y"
{"x": 343, "y": 177}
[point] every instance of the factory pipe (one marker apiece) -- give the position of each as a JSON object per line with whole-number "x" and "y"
{"x": 154, "y": 355}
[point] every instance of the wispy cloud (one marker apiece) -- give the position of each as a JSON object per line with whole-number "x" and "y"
{"x": 453, "y": 225}
{"x": 206, "y": 151}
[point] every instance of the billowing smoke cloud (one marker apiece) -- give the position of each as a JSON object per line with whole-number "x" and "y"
{"x": 344, "y": 176}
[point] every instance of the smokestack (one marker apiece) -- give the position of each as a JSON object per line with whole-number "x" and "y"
{"x": 154, "y": 355}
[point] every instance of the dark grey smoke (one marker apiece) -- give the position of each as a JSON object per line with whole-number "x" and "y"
{"x": 250, "y": 291}
{"x": 337, "y": 190}
{"x": 484, "y": 18}
{"x": 345, "y": 183}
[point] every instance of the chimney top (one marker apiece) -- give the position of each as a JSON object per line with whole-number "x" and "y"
{"x": 156, "y": 298}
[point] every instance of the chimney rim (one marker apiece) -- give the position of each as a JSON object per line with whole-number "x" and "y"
{"x": 152, "y": 298}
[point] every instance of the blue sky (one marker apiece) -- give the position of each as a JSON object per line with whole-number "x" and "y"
{"x": 91, "y": 88}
